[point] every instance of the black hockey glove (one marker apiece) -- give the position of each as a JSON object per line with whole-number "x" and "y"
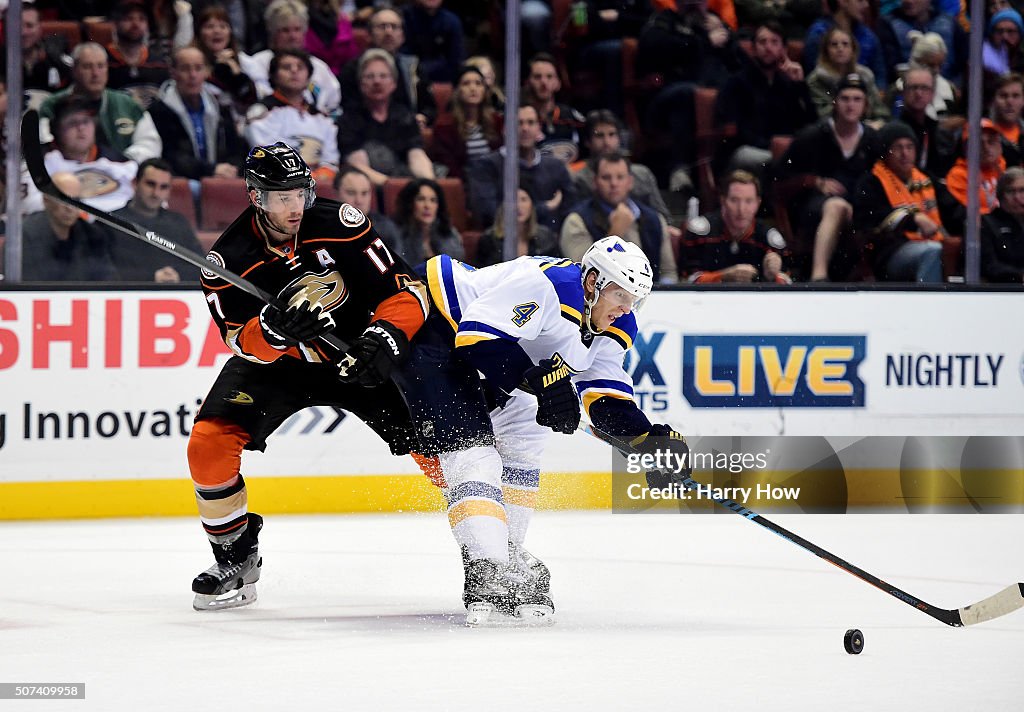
{"x": 673, "y": 453}
{"x": 558, "y": 406}
{"x": 301, "y": 320}
{"x": 371, "y": 358}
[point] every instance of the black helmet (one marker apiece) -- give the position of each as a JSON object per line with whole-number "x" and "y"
{"x": 277, "y": 167}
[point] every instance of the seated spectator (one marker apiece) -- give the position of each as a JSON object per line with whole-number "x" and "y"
{"x": 602, "y": 134}
{"x": 679, "y": 49}
{"x": 612, "y": 212}
{"x": 818, "y": 174}
{"x": 330, "y": 36}
{"x": 929, "y": 51}
{"x": 134, "y": 66}
{"x": 991, "y": 167}
{"x": 486, "y": 67}
{"x": 435, "y": 36}
{"x": 599, "y": 51}
{"x": 1005, "y": 112}
{"x": 170, "y": 25}
{"x": 838, "y": 59}
{"x": 104, "y": 176}
{"x": 768, "y": 97}
{"x": 916, "y": 17}
{"x": 936, "y": 146}
{"x": 546, "y": 179}
{"x": 413, "y": 90}
{"x": 1002, "y": 231}
{"x": 216, "y": 40}
{"x": 1001, "y": 50}
{"x": 47, "y": 66}
{"x": 531, "y": 238}
{"x": 904, "y": 211}
{"x": 137, "y": 261}
{"x": 198, "y": 134}
{"x": 470, "y": 128}
{"x": 381, "y": 136}
{"x": 59, "y": 246}
{"x": 287, "y": 116}
{"x": 559, "y": 123}
{"x": 245, "y": 18}
{"x": 852, "y": 16}
{"x": 731, "y": 245}
{"x": 287, "y": 22}
{"x": 424, "y": 226}
{"x": 354, "y": 187}
{"x": 124, "y": 126}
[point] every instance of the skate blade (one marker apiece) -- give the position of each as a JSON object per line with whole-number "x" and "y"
{"x": 486, "y": 615}
{"x": 232, "y": 599}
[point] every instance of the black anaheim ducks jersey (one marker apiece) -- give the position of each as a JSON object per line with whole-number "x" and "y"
{"x": 708, "y": 249}
{"x": 336, "y": 256}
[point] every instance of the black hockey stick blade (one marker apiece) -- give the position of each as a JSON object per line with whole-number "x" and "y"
{"x": 1006, "y": 601}
{"x": 32, "y": 151}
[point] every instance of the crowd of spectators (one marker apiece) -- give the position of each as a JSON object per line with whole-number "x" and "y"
{"x": 732, "y": 140}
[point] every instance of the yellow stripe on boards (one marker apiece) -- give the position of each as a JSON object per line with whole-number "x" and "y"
{"x": 272, "y": 495}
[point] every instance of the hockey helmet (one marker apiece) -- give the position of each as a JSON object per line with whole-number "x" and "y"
{"x": 278, "y": 167}
{"x": 621, "y": 262}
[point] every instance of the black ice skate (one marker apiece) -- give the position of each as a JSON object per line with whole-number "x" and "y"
{"x": 494, "y": 598}
{"x": 231, "y": 582}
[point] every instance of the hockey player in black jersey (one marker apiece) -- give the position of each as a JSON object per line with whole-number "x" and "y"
{"x": 332, "y": 274}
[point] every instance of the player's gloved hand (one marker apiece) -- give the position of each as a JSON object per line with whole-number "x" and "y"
{"x": 662, "y": 440}
{"x": 371, "y": 358}
{"x": 558, "y": 406}
{"x": 299, "y": 321}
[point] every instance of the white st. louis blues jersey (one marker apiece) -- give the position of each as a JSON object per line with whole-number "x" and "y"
{"x": 537, "y": 302}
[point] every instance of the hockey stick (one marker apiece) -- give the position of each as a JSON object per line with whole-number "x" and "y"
{"x": 1006, "y": 601}
{"x": 32, "y": 152}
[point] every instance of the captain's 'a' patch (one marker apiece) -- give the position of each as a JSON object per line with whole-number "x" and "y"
{"x": 351, "y": 215}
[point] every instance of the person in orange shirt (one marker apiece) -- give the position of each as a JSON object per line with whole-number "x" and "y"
{"x": 1005, "y": 112}
{"x": 992, "y": 166}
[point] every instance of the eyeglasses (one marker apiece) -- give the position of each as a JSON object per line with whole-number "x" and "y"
{"x": 920, "y": 87}
{"x": 387, "y": 26}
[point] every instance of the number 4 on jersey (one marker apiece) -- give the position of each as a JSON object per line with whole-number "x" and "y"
{"x": 523, "y": 312}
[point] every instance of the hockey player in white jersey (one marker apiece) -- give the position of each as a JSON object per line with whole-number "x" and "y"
{"x": 544, "y": 333}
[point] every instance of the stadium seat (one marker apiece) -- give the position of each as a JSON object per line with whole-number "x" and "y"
{"x": 442, "y": 93}
{"x": 223, "y": 200}
{"x": 781, "y": 198}
{"x": 100, "y": 31}
{"x": 326, "y": 190}
{"x": 471, "y": 244}
{"x": 708, "y": 135}
{"x": 180, "y": 201}
{"x": 70, "y": 30}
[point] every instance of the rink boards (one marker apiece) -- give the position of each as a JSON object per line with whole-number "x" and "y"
{"x": 99, "y": 389}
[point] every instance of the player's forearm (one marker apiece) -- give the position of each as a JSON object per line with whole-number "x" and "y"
{"x": 502, "y": 361}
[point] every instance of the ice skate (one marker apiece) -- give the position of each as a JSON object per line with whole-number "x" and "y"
{"x": 532, "y": 570}
{"x": 493, "y": 598}
{"x": 231, "y": 582}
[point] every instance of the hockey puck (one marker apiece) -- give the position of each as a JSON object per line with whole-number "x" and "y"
{"x": 853, "y": 641}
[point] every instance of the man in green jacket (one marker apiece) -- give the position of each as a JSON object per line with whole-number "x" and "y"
{"x": 123, "y": 124}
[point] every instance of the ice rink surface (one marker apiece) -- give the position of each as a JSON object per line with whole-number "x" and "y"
{"x": 655, "y": 612}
